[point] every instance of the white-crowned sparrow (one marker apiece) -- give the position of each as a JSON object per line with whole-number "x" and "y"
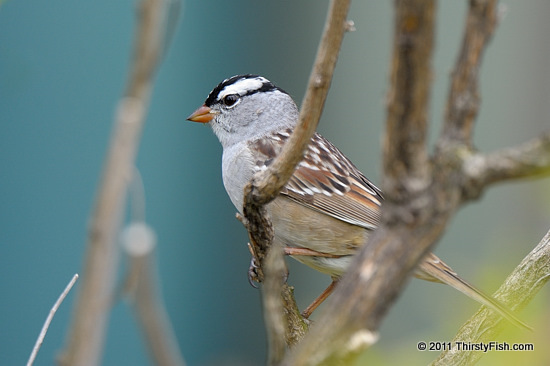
{"x": 328, "y": 208}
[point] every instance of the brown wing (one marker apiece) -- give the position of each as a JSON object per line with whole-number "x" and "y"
{"x": 326, "y": 181}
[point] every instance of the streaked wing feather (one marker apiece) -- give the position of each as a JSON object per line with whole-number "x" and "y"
{"x": 326, "y": 181}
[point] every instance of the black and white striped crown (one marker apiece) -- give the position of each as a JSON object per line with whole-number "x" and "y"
{"x": 241, "y": 85}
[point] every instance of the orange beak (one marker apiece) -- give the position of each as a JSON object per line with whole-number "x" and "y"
{"x": 203, "y": 114}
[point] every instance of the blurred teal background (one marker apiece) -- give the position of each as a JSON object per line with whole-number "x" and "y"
{"x": 63, "y": 66}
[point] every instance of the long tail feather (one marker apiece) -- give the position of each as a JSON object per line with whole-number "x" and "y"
{"x": 435, "y": 270}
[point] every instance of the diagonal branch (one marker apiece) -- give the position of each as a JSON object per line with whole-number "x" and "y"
{"x": 268, "y": 184}
{"x": 516, "y": 292}
{"x": 265, "y": 186}
{"x": 527, "y": 160}
{"x": 463, "y": 102}
{"x": 49, "y": 319}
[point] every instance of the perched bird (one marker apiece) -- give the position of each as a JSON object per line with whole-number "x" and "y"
{"x": 328, "y": 208}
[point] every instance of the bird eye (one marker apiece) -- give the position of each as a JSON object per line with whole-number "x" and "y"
{"x": 230, "y": 100}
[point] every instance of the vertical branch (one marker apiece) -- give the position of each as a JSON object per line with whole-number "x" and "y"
{"x": 152, "y": 315}
{"x": 86, "y": 334}
{"x": 405, "y": 155}
{"x": 274, "y": 319}
{"x": 463, "y": 102}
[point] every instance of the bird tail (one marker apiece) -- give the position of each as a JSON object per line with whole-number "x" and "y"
{"x": 434, "y": 269}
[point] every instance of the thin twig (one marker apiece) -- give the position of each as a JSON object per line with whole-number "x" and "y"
{"x": 86, "y": 334}
{"x": 49, "y": 319}
{"x": 150, "y": 310}
{"x": 153, "y": 317}
{"x": 142, "y": 284}
{"x": 516, "y": 292}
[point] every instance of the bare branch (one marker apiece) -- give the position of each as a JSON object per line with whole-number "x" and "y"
{"x": 422, "y": 194}
{"x": 139, "y": 242}
{"x": 351, "y": 317}
{"x": 463, "y": 102}
{"x": 274, "y": 319}
{"x": 49, "y": 318}
{"x": 348, "y": 324}
{"x": 528, "y": 160}
{"x": 266, "y": 185}
{"x": 516, "y": 292}
{"x": 405, "y": 155}
{"x": 85, "y": 337}
{"x": 296, "y": 326}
